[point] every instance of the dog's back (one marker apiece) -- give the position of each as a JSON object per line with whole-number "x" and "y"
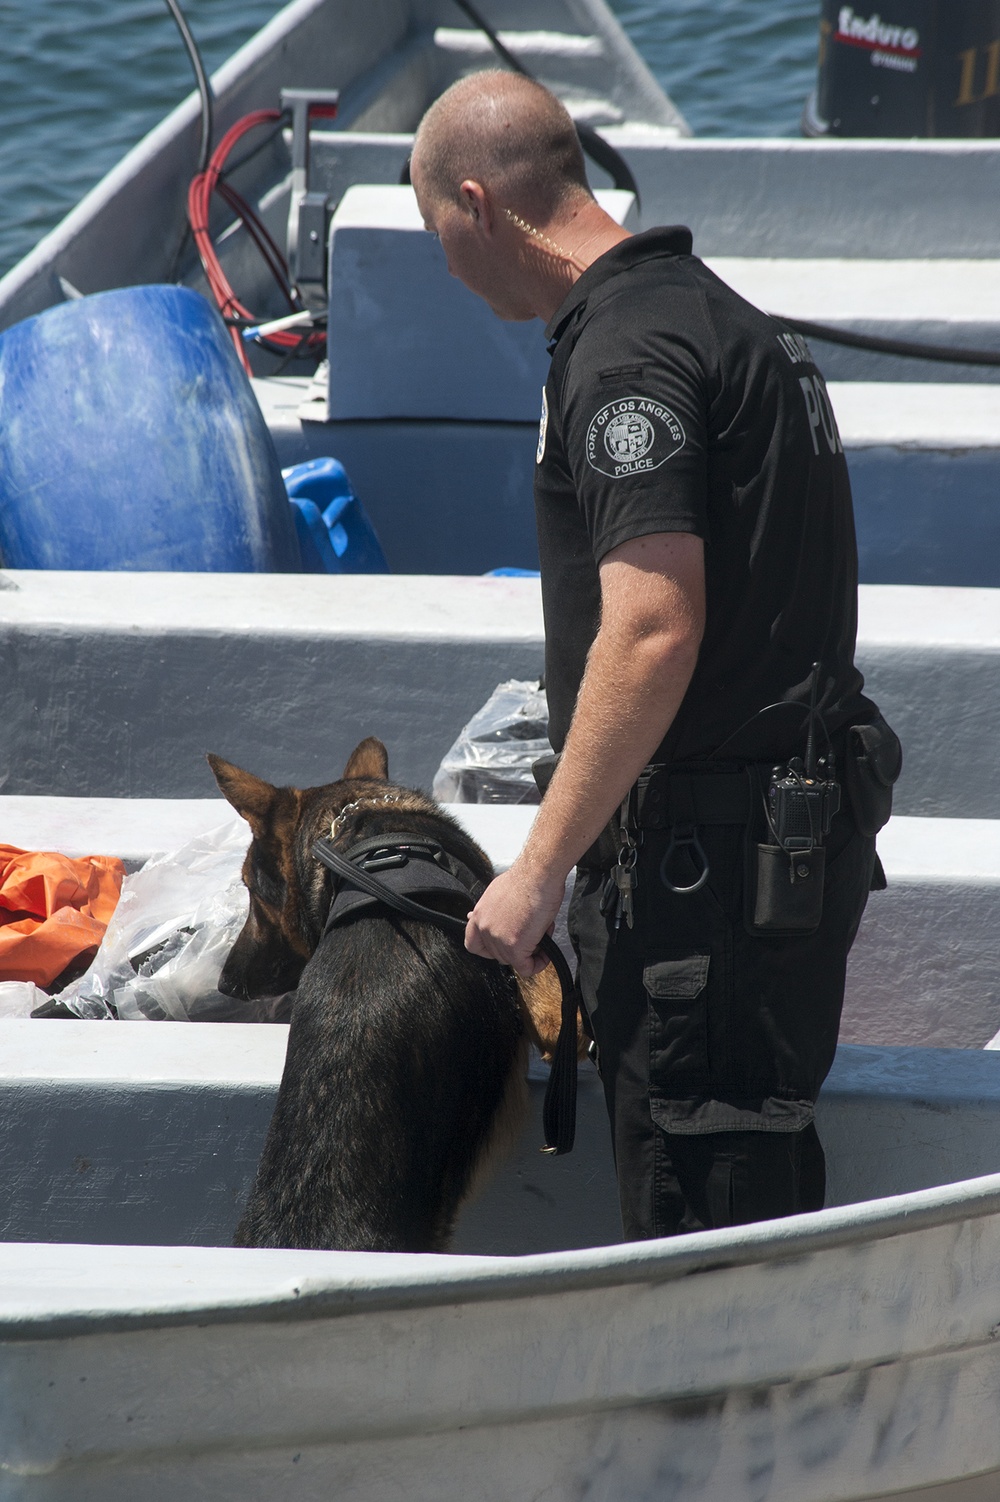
{"x": 403, "y": 1054}
{"x": 406, "y": 1058}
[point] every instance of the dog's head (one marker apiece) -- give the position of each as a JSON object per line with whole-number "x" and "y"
{"x": 286, "y": 884}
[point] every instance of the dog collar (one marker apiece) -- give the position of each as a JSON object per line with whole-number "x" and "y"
{"x": 373, "y": 800}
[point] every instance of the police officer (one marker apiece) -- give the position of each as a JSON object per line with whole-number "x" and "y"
{"x": 697, "y": 558}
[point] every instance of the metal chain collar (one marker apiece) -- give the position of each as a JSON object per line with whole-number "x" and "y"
{"x": 368, "y": 802}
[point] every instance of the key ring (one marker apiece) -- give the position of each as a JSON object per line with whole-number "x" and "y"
{"x": 680, "y": 836}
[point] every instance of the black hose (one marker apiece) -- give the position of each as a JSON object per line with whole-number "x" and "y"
{"x": 596, "y": 147}
{"x": 604, "y": 154}
{"x": 501, "y": 51}
{"x": 905, "y": 347}
{"x": 201, "y": 78}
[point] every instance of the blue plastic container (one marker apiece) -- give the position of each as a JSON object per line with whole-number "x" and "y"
{"x": 130, "y": 438}
{"x": 336, "y": 535}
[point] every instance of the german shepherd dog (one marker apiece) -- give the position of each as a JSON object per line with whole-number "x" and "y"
{"x": 405, "y": 1071}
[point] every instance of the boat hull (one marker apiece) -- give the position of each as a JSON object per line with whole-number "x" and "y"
{"x": 829, "y": 1358}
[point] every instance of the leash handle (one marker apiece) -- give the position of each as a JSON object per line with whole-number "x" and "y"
{"x": 559, "y": 1108}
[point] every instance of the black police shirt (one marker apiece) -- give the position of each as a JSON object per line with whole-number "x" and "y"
{"x": 672, "y": 405}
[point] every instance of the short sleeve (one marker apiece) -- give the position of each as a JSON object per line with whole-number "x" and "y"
{"x": 634, "y": 427}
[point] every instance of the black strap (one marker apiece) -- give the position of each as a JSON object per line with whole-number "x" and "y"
{"x": 559, "y": 1110}
{"x": 418, "y": 868}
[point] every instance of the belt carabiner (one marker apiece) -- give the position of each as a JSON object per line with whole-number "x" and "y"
{"x": 684, "y": 836}
{"x": 622, "y": 882}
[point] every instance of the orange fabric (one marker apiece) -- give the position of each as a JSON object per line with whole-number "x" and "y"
{"x": 52, "y": 908}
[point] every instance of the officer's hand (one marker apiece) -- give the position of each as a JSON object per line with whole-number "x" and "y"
{"x": 508, "y": 921}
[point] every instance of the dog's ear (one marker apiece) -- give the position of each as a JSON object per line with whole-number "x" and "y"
{"x": 369, "y": 759}
{"x": 250, "y": 796}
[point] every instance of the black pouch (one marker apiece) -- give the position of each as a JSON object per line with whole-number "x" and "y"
{"x": 543, "y": 770}
{"x": 785, "y": 890}
{"x": 873, "y": 763}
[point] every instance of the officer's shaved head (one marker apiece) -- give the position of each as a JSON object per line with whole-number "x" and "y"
{"x": 507, "y": 133}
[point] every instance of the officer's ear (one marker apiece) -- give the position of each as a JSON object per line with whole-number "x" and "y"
{"x": 477, "y": 204}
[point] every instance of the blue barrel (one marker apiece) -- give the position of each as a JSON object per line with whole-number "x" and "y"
{"x": 130, "y": 438}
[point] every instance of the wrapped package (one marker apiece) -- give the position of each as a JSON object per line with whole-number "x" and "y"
{"x": 175, "y": 923}
{"x": 492, "y": 759}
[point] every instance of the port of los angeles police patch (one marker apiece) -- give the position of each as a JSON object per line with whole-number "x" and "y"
{"x": 631, "y": 436}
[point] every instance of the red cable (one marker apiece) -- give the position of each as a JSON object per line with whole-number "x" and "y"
{"x": 199, "y": 206}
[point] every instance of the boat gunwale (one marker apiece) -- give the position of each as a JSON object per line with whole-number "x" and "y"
{"x": 500, "y": 1279}
{"x": 235, "y": 71}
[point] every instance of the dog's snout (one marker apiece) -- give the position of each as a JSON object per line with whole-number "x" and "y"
{"x": 232, "y": 982}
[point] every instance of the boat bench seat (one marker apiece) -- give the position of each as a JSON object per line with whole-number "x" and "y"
{"x": 922, "y": 973}
{"x": 924, "y": 460}
{"x": 407, "y": 339}
{"x": 117, "y": 684}
{"x": 151, "y": 1136}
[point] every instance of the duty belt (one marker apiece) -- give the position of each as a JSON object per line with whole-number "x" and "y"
{"x": 679, "y": 799}
{"x": 667, "y": 795}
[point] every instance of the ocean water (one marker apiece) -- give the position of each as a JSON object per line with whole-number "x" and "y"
{"x": 82, "y": 80}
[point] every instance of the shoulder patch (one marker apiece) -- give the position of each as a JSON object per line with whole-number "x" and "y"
{"x": 631, "y": 436}
{"x": 543, "y": 428}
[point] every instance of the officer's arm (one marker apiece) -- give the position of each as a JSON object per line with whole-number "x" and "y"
{"x": 638, "y": 670}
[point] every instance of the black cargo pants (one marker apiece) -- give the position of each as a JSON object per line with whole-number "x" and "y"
{"x": 713, "y": 1042}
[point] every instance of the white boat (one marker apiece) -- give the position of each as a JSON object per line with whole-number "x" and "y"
{"x": 838, "y": 1357}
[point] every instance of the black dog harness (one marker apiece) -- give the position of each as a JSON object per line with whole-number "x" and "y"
{"x": 393, "y": 870}
{"x": 405, "y": 865}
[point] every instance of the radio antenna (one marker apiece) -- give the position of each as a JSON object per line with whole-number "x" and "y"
{"x": 811, "y": 733}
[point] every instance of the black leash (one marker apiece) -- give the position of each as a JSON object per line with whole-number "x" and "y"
{"x": 559, "y": 1110}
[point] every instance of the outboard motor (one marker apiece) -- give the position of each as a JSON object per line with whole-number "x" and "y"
{"x": 907, "y": 68}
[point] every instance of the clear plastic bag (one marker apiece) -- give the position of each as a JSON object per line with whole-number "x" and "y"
{"x": 19, "y": 998}
{"x": 492, "y": 759}
{"x": 175, "y": 923}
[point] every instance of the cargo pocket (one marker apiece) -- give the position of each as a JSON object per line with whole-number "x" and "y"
{"x": 678, "y": 1022}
